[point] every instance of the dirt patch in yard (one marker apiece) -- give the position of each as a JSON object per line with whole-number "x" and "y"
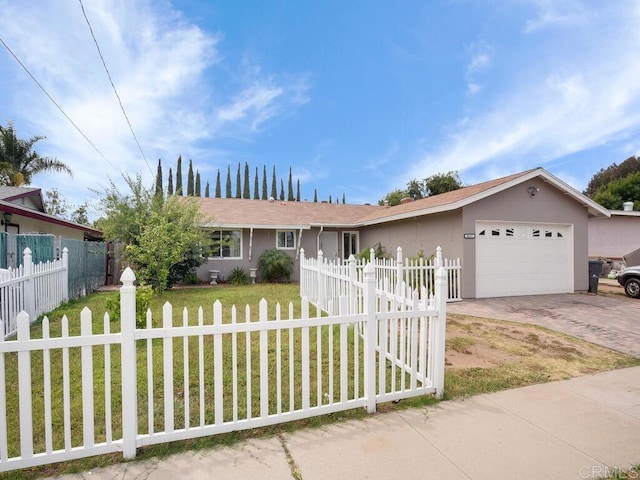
{"x": 477, "y": 343}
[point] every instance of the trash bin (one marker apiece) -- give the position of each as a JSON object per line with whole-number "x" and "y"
{"x": 595, "y": 267}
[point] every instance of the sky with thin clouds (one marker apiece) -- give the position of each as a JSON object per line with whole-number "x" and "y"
{"x": 356, "y": 97}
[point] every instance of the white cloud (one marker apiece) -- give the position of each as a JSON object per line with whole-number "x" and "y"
{"x": 557, "y": 106}
{"x": 162, "y": 67}
{"x": 551, "y": 13}
{"x": 256, "y": 99}
{"x": 479, "y": 61}
{"x": 473, "y": 88}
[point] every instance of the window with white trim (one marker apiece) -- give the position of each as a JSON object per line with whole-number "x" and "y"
{"x": 286, "y": 239}
{"x": 226, "y": 244}
{"x": 350, "y": 241}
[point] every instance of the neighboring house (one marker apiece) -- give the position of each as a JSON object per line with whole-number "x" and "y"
{"x": 611, "y": 238}
{"x": 524, "y": 234}
{"x": 22, "y": 212}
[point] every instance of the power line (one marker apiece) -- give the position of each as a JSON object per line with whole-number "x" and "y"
{"x": 104, "y": 64}
{"x": 54, "y": 102}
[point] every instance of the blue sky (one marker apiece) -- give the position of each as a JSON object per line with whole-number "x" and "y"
{"x": 357, "y": 97}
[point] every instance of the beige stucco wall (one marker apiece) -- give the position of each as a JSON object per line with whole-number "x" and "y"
{"x": 31, "y": 225}
{"x": 264, "y": 239}
{"x": 615, "y": 236}
{"x": 417, "y": 234}
{"x": 549, "y": 205}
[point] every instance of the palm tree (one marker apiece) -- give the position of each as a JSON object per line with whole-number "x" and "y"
{"x": 19, "y": 162}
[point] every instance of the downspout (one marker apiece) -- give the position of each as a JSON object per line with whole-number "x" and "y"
{"x": 299, "y": 243}
{"x": 318, "y": 239}
{"x": 250, "y": 242}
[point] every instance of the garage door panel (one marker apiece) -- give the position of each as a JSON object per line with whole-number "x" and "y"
{"x": 520, "y": 259}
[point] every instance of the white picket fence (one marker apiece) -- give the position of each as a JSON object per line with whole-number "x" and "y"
{"x": 184, "y": 378}
{"x": 33, "y": 288}
{"x": 328, "y": 282}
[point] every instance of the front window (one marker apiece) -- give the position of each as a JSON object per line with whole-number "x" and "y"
{"x": 349, "y": 244}
{"x": 227, "y": 244}
{"x": 286, "y": 240}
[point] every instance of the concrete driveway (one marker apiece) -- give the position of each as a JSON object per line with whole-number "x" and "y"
{"x": 610, "y": 321}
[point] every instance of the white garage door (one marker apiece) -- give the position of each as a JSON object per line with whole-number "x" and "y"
{"x": 523, "y": 259}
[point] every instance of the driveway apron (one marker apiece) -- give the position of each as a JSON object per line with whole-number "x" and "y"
{"x": 613, "y": 322}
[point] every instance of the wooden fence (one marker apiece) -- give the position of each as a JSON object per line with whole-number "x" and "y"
{"x": 33, "y": 288}
{"x": 182, "y": 378}
{"x": 325, "y": 282}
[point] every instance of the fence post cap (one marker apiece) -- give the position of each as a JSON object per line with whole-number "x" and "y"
{"x": 369, "y": 269}
{"x": 127, "y": 277}
{"x": 27, "y": 251}
{"x": 65, "y": 250}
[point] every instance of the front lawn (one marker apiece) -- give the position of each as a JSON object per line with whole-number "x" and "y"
{"x": 482, "y": 356}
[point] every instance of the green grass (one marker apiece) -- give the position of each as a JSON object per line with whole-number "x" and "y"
{"x": 191, "y": 298}
{"x": 458, "y": 382}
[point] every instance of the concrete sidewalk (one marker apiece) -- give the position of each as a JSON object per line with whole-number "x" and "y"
{"x": 579, "y": 428}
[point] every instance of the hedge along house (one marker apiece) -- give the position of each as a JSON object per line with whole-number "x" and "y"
{"x": 524, "y": 234}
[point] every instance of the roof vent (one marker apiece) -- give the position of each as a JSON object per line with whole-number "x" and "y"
{"x": 271, "y": 199}
{"x": 386, "y": 204}
{"x": 627, "y": 206}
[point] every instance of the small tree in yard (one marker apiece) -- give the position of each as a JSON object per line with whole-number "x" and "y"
{"x": 275, "y": 266}
{"x": 162, "y": 236}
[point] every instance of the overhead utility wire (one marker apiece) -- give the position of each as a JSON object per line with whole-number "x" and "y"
{"x": 113, "y": 86}
{"x": 54, "y": 102}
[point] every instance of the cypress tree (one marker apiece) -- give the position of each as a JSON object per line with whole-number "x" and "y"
{"x": 264, "y": 182}
{"x": 218, "y": 191}
{"x": 170, "y": 183}
{"x": 159, "y": 189}
{"x": 206, "y": 190}
{"x": 329, "y": 198}
{"x": 290, "y": 196}
{"x": 274, "y": 185}
{"x": 246, "y": 189}
{"x": 197, "y": 189}
{"x": 190, "y": 183}
{"x": 343, "y": 199}
{"x": 315, "y": 195}
{"x": 298, "y": 192}
{"x": 256, "y": 192}
{"x": 281, "y": 189}
{"x": 238, "y": 183}
{"x": 179, "y": 176}
{"x": 228, "y": 186}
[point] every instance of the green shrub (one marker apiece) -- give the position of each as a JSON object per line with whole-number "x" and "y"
{"x": 191, "y": 279}
{"x": 238, "y": 277}
{"x": 143, "y": 300}
{"x": 379, "y": 252}
{"x": 275, "y": 266}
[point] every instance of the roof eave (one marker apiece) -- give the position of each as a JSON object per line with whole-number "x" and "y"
{"x": 45, "y": 217}
{"x": 255, "y": 227}
{"x": 593, "y": 208}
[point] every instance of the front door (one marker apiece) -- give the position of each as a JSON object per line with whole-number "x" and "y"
{"x": 329, "y": 245}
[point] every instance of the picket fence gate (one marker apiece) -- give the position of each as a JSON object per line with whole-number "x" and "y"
{"x": 34, "y": 288}
{"x": 323, "y": 280}
{"x": 168, "y": 380}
